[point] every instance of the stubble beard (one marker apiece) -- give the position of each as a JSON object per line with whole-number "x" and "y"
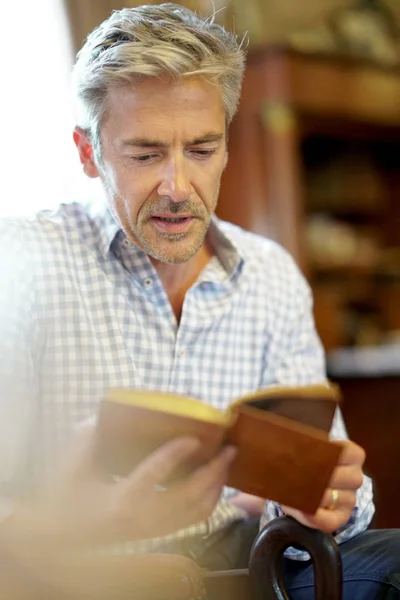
{"x": 173, "y": 249}
{"x": 167, "y": 247}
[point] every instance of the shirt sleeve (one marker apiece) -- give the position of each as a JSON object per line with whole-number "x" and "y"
{"x": 300, "y": 360}
{"x": 18, "y": 376}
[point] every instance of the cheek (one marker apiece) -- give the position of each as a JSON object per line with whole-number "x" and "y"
{"x": 110, "y": 178}
{"x": 209, "y": 184}
{"x": 127, "y": 188}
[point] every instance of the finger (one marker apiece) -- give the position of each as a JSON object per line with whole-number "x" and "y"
{"x": 352, "y": 454}
{"x": 328, "y": 521}
{"x": 215, "y": 472}
{"x": 346, "y": 500}
{"x": 200, "y": 492}
{"x": 157, "y": 467}
{"x": 347, "y": 478}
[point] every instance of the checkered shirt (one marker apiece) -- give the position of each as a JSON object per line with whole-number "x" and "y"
{"x": 83, "y": 310}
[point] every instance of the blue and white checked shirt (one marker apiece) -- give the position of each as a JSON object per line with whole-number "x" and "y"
{"x": 83, "y": 310}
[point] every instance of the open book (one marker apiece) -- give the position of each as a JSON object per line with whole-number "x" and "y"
{"x": 284, "y": 452}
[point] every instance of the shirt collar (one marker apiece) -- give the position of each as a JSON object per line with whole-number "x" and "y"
{"x": 225, "y": 251}
{"x": 106, "y": 225}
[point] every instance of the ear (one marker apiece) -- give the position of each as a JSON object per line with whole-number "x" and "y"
{"x": 86, "y": 154}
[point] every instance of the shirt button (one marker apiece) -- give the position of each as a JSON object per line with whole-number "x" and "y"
{"x": 126, "y": 243}
{"x": 148, "y": 282}
{"x": 181, "y": 353}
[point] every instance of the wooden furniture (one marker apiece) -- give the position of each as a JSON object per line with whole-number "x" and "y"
{"x": 315, "y": 164}
{"x": 264, "y": 581}
{"x": 265, "y": 566}
{"x": 371, "y": 410}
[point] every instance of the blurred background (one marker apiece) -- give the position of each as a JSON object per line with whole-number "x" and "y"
{"x": 314, "y": 164}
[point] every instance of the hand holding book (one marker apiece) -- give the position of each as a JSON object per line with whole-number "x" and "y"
{"x": 284, "y": 453}
{"x": 340, "y": 497}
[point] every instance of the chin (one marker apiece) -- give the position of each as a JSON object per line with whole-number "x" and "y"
{"x": 169, "y": 254}
{"x": 177, "y": 260}
{"x": 173, "y": 252}
{"x": 173, "y": 258}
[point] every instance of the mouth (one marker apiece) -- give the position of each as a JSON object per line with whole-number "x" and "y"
{"x": 172, "y": 224}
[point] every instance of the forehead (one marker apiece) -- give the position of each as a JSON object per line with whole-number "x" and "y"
{"x": 157, "y": 107}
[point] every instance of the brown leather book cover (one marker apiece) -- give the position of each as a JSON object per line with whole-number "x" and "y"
{"x": 281, "y": 434}
{"x": 281, "y": 460}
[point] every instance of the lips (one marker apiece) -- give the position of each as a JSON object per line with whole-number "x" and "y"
{"x": 171, "y": 219}
{"x": 172, "y": 223}
{"x": 171, "y": 216}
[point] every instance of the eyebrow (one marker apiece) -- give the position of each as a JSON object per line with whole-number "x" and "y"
{"x": 153, "y": 143}
{"x": 206, "y": 139}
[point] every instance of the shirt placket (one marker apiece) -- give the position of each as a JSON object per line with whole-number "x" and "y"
{"x": 181, "y": 373}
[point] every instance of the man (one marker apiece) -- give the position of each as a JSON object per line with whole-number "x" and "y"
{"x": 148, "y": 289}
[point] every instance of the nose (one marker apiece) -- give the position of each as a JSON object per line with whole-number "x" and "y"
{"x": 175, "y": 183}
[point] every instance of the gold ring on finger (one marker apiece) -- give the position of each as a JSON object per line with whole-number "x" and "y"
{"x": 335, "y": 500}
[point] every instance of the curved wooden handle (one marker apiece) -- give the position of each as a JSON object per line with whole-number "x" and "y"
{"x": 266, "y": 559}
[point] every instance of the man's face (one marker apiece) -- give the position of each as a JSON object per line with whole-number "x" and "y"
{"x": 163, "y": 154}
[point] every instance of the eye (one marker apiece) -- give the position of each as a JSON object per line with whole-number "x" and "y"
{"x": 203, "y": 153}
{"x": 143, "y": 158}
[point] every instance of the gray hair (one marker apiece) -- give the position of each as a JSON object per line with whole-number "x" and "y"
{"x": 153, "y": 41}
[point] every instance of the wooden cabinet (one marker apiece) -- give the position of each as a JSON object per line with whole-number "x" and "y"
{"x": 371, "y": 410}
{"x": 315, "y": 164}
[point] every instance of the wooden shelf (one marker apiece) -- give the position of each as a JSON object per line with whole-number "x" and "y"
{"x": 324, "y": 86}
{"x": 351, "y": 211}
{"x": 284, "y": 93}
{"x": 343, "y": 271}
